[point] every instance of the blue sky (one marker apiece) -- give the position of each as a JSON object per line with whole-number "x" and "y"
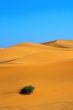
{"x": 35, "y": 21}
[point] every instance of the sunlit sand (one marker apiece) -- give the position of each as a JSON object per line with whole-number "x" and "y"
{"x": 47, "y": 66}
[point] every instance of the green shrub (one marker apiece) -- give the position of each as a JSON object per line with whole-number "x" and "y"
{"x": 27, "y": 90}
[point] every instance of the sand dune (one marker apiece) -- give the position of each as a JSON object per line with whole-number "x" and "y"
{"x": 60, "y": 43}
{"x": 48, "y": 67}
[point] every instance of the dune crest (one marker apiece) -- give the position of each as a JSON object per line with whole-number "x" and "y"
{"x": 27, "y": 53}
{"x": 60, "y": 43}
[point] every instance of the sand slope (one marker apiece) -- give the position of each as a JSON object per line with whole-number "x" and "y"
{"x": 60, "y": 43}
{"x": 48, "y": 68}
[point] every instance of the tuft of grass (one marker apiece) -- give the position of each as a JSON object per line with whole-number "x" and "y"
{"x": 27, "y": 90}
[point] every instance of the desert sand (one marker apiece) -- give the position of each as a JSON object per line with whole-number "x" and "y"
{"x": 47, "y": 66}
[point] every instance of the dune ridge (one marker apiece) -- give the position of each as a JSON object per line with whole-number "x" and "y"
{"x": 60, "y": 43}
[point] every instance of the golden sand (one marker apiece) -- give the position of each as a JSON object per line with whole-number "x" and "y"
{"x": 48, "y": 67}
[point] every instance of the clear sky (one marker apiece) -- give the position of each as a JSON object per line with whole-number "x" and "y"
{"x": 35, "y": 21}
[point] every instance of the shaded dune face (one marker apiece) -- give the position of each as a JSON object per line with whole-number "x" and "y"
{"x": 48, "y": 67}
{"x": 60, "y": 43}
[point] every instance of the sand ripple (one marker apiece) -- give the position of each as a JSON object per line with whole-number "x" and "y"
{"x": 56, "y": 106}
